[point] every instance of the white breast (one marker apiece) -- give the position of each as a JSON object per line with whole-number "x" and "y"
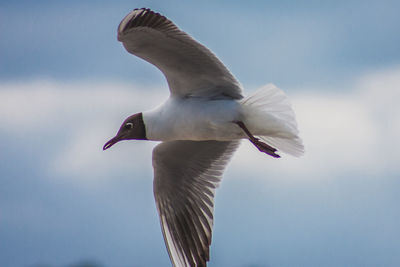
{"x": 193, "y": 119}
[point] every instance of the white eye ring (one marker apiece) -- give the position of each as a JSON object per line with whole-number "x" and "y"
{"x": 129, "y": 125}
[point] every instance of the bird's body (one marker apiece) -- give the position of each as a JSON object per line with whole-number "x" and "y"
{"x": 194, "y": 119}
{"x": 200, "y": 126}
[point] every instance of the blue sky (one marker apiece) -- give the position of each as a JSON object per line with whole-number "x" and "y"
{"x": 66, "y": 84}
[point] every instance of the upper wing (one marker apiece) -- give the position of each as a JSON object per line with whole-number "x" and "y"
{"x": 190, "y": 68}
{"x": 186, "y": 174}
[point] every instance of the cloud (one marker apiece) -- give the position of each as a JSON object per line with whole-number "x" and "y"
{"x": 76, "y": 119}
{"x": 352, "y": 130}
{"x": 39, "y": 103}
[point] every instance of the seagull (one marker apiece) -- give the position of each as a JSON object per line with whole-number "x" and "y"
{"x": 200, "y": 126}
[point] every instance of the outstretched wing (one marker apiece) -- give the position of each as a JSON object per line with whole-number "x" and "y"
{"x": 191, "y": 69}
{"x": 186, "y": 174}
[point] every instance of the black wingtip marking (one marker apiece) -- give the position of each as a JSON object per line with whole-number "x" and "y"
{"x": 144, "y": 17}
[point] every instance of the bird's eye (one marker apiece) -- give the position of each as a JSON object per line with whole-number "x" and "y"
{"x": 128, "y": 125}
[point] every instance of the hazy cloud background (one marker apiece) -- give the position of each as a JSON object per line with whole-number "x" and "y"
{"x": 66, "y": 84}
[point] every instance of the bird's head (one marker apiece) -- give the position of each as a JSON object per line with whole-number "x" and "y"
{"x": 132, "y": 128}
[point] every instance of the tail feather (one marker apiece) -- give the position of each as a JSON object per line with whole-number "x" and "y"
{"x": 270, "y": 117}
{"x": 292, "y": 147}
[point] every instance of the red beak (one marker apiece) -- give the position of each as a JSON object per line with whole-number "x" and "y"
{"x": 111, "y": 142}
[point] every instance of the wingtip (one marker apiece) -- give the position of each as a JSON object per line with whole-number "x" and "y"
{"x": 124, "y": 24}
{"x": 143, "y": 17}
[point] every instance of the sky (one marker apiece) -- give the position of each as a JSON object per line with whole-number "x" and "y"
{"x": 66, "y": 85}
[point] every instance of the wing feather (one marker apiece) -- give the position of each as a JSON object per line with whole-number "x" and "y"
{"x": 190, "y": 68}
{"x": 186, "y": 174}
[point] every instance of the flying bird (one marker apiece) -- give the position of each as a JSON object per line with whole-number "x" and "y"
{"x": 200, "y": 125}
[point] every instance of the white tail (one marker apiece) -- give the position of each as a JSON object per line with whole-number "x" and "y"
{"x": 269, "y": 115}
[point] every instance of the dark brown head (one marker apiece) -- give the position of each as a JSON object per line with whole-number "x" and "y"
{"x": 132, "y": 128}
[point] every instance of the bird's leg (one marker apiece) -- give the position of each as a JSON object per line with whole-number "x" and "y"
{"x": 263, "y": 147}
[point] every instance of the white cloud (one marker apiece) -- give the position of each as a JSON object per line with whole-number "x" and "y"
{"x": 353, "y": 130}
{"x": 36, "y": 104}
{"x": 81, "y": 117}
